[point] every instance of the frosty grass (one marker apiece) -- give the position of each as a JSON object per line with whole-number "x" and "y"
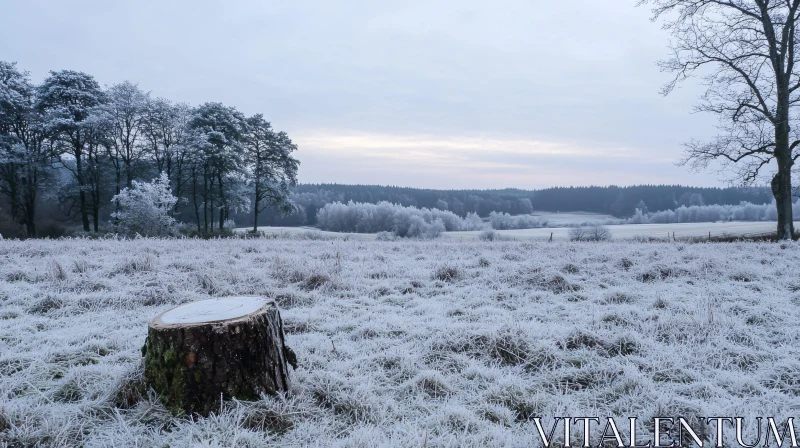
{"x": 403, "y": 343}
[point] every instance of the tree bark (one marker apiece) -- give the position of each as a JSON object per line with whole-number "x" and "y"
{"x": 782, "y": 190}
{"x": 229, "y": 347}
{"x": 222, "y": 205}
{"x": 82, "y": 196}
{"x": 194, "y": 200}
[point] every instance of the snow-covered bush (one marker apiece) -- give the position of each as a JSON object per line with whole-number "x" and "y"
{"x": 487, "y": 235}
{"x": 599, "y": 233}
{"x": 145, "y": 209}
{"x": 590, "y": 233}
{"x": 418, "y": 228}
{"x": 744, "y": 211}
{"x": 504, "y": 221}
{"x": 638, "y": 217}
{"x": 474, "y": 222}
{"x": 386, "y": 217}
{"x": 385, "y": 236}
{"x": 577, "y": 233}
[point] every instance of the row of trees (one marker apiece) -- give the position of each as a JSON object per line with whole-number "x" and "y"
{"x": 612, "y": 200}
{"x": 386, "y": 217}
{"x": 420, "y": 222}
{"x": 711, "y": 213}
{"x": 88, "y": 143}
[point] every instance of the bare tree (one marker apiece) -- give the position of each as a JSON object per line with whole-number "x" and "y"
{"x": 744, "y": 51}
{"x": 164, "y": 129}
{"x": 125, "y": 111}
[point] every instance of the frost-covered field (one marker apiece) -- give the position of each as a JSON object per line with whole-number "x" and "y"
{"x": 622, "y": 231}
{"x": 572, "y": 218}
{"x": 405, "y": 343}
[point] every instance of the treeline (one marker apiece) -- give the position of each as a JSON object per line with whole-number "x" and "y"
{"x": 387, "y": 217}
{"x": 68, "y": 146}
{"x": 744, "y": 211}
{"x": 413, "y": 222}
{"x": 621, "y": 202}
{"x": 423, "y": 222}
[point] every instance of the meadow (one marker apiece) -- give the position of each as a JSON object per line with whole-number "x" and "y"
{"x": 405, "y": 343}
{"x": 688, "y": 230}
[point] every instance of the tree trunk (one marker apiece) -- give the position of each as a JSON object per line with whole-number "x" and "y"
{"x": 30, "y": 210}
{"x": 782, "y": 190}
{"x": 82, "y": 194}
{"x": 782, "y": 181}
{"x": 231, "y": 347}
{"x": 205, "y": 202}
{"x": 30, "y": 228}
{"x": 255, "y": 207}
{"x": 194, "y": 199}
{"x": 128, "y": 174}
{"x": 222, "y": 205}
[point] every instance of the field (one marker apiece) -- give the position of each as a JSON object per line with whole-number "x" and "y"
{"x": 570, "y": 218}
{"x": 626, "y": 231}
{"x": 403, "y": 343}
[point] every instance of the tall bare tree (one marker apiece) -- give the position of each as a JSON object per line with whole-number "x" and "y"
{"x": 745, "y": 53}
{"x": 166, "y": 134}
{"x": 126, "y": 112}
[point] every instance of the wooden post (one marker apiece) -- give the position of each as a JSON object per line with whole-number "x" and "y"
{"x": 226, "y": 347}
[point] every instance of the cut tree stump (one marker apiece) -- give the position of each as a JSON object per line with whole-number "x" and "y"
{"x": 229, "y": 347}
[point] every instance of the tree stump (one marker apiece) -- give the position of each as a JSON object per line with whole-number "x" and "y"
{"x": 200, "y": 352}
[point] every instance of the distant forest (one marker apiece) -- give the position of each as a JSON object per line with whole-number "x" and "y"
{"x": 620, "y": 202}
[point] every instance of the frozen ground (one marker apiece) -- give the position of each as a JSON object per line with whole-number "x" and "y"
{"x": 626, "y": 231}
{"x": 406, "y": 343}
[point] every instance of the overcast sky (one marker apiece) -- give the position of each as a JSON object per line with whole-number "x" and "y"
{"x": 439, "y": 94}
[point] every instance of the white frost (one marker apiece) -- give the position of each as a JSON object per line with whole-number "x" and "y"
{"x": 212, "y": 310}
{"x": 404, "y": 344}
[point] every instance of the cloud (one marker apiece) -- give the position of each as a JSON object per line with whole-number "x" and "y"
{"x": 531, "y": 92}
{"x": 474, "y": 162}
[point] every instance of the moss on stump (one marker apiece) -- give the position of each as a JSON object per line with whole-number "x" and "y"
{"x": 225, "y": 348}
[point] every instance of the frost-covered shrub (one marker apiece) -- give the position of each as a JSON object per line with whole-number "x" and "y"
{"x": 488, "y": 235}
{"x": 473, "y": 222}
{"x": 386, "y": 217}
{"x": 404, "y": 221}
{"x": 418, "y": 228}
{"x": 385, "y": 236}
{"x": 744, "y": 211}
{"x": 447, "y": 273}
{"x": 504, "y": 221}
{"x": 638, "y": 217}
{"x": 145, "y": 209}
{"x": 599, "y": 233}
{"x": 590, "y": 233}
{"x": 577, "y": 233}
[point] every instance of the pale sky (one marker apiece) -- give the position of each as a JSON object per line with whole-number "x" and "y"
{"x": 430, "y": 94}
